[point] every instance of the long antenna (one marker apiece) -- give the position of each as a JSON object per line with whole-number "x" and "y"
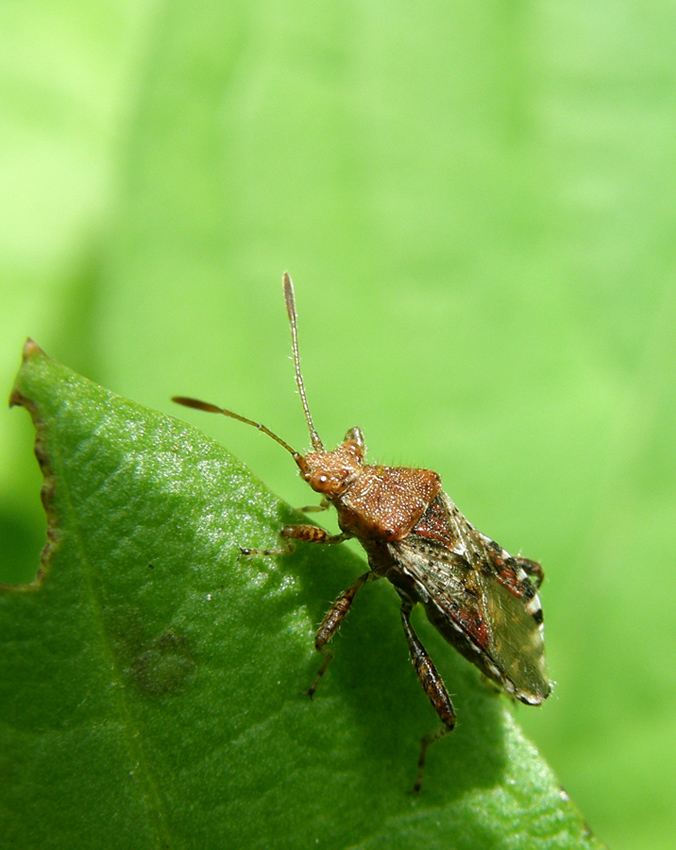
{"x": 317, "y": 444}
{"x": 211, "y": 408}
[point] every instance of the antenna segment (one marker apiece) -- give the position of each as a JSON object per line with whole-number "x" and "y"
{"x": 211, "y": 408}
{"x": 290, "y": 300}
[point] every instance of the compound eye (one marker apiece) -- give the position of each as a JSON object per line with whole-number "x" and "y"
{"x": 323, "y": 483}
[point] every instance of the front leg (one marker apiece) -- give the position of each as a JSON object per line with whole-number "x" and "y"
{"x": 308, "y": 533}
{"x": 312, "y": 534}
{"x": 433, "y": 686}
{"x": 324, "y": 505}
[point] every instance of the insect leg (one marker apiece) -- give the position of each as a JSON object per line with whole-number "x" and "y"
{"x": 532, "y": 569}
{"x": 312, "y": 534}
{"x": 309, "y": 533}
{"x": 266, "y": 553}
{"x": 433, "y": 686}
{"x": 324, "y": 505}
{"x": 331, "y": 623}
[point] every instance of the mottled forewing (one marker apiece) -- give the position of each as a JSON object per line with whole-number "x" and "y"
{"x": 479, "y": 598}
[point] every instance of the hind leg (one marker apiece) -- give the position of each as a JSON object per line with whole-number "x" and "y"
{"x": 433, "y": 686}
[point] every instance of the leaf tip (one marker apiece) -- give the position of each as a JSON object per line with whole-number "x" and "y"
{"x": 30, "y": 349}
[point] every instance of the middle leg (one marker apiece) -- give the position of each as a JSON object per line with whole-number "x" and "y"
{"x": 331, "y": 623}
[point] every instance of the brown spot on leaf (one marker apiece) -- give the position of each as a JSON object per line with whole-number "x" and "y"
{"x": 165, "y": 666}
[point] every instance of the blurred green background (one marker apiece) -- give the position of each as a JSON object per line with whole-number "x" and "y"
{"x": 477, "y": 205}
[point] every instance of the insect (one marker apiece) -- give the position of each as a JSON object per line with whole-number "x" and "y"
{"x": 480, "y": 598}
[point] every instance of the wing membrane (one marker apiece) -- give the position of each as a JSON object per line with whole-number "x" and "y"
{"x": 478, "y": 597}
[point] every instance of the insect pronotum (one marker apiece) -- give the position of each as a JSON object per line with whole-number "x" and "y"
{"x": 480, "y": 598}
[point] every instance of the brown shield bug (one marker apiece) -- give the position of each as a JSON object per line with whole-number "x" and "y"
{"x": 480, "y": 598}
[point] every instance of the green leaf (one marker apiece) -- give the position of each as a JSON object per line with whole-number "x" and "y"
{"x": 151, "y": 681}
